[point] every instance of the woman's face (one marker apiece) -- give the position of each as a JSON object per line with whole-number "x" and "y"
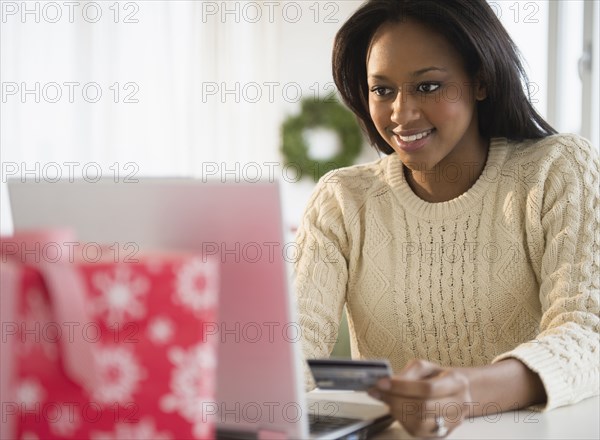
{"x": 421, "y": 99}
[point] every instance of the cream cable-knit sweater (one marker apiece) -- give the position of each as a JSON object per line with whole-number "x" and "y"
{"x": 508, "y": 269}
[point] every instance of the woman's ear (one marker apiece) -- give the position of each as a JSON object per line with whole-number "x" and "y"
{"x": 480, "y": 90}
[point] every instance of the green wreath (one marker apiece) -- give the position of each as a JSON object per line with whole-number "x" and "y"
{"x": 327, "y": 114}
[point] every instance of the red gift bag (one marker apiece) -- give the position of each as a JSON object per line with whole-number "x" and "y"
{"x": 105, "y": 349}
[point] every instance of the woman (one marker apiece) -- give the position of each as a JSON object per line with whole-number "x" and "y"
{"x": 468, "y": 255}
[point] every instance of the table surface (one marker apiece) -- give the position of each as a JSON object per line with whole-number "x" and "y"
{"x": 579, "y": 421}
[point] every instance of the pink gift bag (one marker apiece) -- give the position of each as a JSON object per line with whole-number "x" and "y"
{"x": 105, "y": 349}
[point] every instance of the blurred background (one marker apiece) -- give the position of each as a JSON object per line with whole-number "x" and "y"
{"x": 201, "y": 88}
{"x": 127, "y": 89}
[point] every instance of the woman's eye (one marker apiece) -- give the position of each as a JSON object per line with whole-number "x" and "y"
{"x": 428, "y": 87}
{"x": 380, "y": 91}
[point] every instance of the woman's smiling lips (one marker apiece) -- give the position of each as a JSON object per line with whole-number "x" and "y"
{"x": 412, "y": 140}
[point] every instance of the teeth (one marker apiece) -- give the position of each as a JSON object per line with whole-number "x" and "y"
{"x": 415, "y": 137}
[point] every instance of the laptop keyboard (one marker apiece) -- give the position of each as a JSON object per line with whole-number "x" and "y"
{"x": 320, "y": 424}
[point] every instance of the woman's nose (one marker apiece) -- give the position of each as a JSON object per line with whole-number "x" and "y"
{"x": 404, "y": 108}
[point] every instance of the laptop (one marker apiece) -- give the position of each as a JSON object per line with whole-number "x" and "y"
{"x": 260, "y": 390}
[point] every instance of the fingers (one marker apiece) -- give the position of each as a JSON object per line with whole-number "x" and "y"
{"x": 444, "y": 384}
{"x": 415, "y": 370}
{"x": 428, "y": 400}
{"x": 435, "y": 427}
{"x": 427, "y": 418}
{"x": 450, "y": 409}
{"x": 423, "y": 380}
{"x": 418, "y": 369}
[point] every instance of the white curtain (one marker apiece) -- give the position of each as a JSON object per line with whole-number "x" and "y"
{"x": 179, "y": 87}
{"x": 156, "y": 70}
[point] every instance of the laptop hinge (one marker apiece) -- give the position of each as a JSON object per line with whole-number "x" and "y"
{"x": 266, "y": 434}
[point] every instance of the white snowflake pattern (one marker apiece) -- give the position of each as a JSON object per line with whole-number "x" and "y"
{"x": 119, "y": 375}
{"x": 161, "y": 330}
{"x": 144, "y": 429}
{"x": 197, "y": 285}
{"x": 65, "y": 422}
{"x": 121, "y": 295}
{"x": 30, "y": 394}
{"x": 192, "y": 384}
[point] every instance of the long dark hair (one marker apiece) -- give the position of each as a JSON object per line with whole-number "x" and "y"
{"x": 474, "y": 30}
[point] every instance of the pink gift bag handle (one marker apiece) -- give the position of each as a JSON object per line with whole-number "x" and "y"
{"x": 9, "y": 282}
{"x": 66, "y": 289}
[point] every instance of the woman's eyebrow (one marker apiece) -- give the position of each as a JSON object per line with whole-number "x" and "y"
{"x": 427, "y": 69}
{"x": 414, "y": 74}
{"x": 378, "y": 77}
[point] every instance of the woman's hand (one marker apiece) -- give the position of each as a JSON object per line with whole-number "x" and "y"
{"x": 431, "y": 401}
{"x": 428, "y": 400}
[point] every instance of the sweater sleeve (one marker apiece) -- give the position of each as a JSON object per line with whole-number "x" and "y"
{"x": 565, "y": 354}
{"x": 321, "y": 272}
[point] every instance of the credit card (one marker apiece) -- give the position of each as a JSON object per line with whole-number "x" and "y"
{"x": 347, "y": 374}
